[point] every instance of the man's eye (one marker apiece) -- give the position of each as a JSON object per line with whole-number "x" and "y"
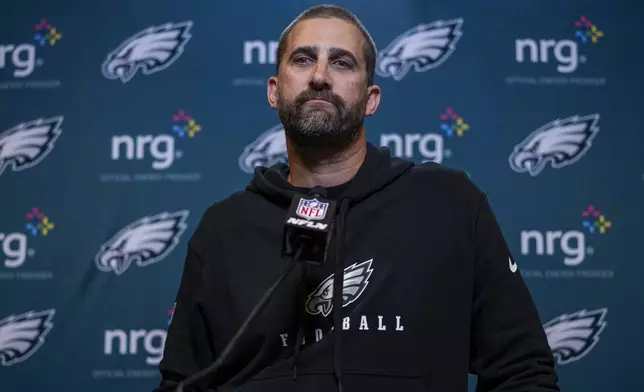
{"x": 343, "y": 63}
{"x": 301, "y": 60}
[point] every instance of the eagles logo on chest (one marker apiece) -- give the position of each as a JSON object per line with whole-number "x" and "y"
{"x": 356, "y": 279}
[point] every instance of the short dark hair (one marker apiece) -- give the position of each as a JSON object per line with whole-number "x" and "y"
{"x": 332, "y": 11}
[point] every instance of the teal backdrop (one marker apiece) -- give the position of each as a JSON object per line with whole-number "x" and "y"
{"x": 121, "y": 122}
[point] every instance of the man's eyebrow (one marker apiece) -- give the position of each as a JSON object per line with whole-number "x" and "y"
{"x": 339, "y": 52}
{"x": 307, "y": 50}
{"x": 313, "y": 51}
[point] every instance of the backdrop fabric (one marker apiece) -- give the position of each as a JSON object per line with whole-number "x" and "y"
{"x": 121, "y": 122}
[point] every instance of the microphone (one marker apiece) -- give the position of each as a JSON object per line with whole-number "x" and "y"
{"x": 307, "y": 231}
{"x": 308, "y": 227}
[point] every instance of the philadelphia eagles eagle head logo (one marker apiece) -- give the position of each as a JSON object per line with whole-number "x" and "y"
{"x": 356, "y": 279}
{"x": 150, "y": 50}
{"x": 422, "y": 48}
{"x": 573, "y": 336}
{"x": 266, "y": 150}
{"x": 559, "y": 143}
{"x": 146, "y": 241}
{"x": 27, "y": 144}
{"x": 22, "y": 335}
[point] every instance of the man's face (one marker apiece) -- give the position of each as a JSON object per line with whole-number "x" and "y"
{"x": 321, "y": 91}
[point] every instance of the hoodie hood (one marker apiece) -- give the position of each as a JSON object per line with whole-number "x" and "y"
{"x": 378, "y": 170}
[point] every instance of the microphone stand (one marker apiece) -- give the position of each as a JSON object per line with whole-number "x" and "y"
{"x": 233, "y": 342}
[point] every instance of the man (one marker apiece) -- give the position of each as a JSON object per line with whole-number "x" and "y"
{"x": 427, "y": 288}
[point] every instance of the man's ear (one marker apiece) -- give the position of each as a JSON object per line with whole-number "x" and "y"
{"x": 373, "y": 100}
{"x": 271, "y": 91}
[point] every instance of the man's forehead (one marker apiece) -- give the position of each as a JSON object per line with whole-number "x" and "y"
{"x": 327, "y": 33}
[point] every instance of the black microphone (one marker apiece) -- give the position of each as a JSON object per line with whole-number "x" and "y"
{"x": 306, "y": 237}
{"x": 308, "y": 226}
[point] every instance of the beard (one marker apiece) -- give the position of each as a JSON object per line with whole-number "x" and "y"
{"x": 321, "y": 126}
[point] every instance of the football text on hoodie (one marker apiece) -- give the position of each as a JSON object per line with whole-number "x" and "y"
{"x": 427, "y": 291}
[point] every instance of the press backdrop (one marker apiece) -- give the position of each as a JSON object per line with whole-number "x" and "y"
{"x": 123, "y": 118}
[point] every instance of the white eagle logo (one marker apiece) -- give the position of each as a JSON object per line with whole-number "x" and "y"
{"x": 423, "y": 47}
{"x": 267, "y": 150}
{"x": 356, "y": 279}
{"x": 146, "y": 241}
{"x": 572, "y": 336}
{"x": 150, "y": 50}
{"x": 22, "y": 335}
{"x": 27, "y": 144}
{"x": 561, "y": 142}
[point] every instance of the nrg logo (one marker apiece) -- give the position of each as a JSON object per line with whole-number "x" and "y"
{"x": 151, "y": 342}
{"x": 571, "y": 243}
{"x": 429, "y": 147}
{"x": 261, "y": 52}
{"x": 130, "y": 342}
{"x": 161, "y": 149}
{"x": 565, "y": 52}
{"x": 20, "y": 59}
{"x": 14, "y": 246}
{"x": 14, "y": 249}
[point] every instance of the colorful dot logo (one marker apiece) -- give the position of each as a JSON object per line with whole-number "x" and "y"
{"x": 595, "y": 221}
{"x": 453, "y": 123}
{"x": 38, "y": 223}
{"x": 587, "y": 31}
{"x": 46, "y": 33}
{"x": 185, "y": 125}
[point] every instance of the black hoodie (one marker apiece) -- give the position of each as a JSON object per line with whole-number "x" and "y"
{"x": 429, "y": 292}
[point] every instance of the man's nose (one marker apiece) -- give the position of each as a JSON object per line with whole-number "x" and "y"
{"x": 321, "y": 77}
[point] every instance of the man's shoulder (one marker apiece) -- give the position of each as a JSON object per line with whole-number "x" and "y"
{"x": 438, "y": 177}
{"x": 449, "y": 189}
{"x": 227, "y": 206}
{"x": 219, "y": 214}
{"x": 431, "y": 168}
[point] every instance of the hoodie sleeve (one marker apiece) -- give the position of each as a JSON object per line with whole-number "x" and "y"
{"x": 187, "y": 345}
{"x": 509, "y": 348}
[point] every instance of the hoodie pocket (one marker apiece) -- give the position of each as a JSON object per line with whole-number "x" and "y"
{"x": 324, "y": 381}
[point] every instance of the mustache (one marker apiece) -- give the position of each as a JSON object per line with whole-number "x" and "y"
{"x": 324, "y": 95}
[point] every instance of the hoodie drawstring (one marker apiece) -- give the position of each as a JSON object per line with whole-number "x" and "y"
{"x": 301, "y": 293}
{"x": 338, "y": 299}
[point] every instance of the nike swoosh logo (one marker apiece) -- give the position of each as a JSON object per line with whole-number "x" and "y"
{"x": 513, "y": 265}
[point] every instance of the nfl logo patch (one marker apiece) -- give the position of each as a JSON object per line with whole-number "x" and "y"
{"x": 312, "y": 209}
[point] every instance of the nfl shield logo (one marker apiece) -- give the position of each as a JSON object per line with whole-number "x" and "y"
{"x": 312, "y": 209}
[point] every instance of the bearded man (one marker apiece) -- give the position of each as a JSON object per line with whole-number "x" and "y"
{"x": 419, "y": 289}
